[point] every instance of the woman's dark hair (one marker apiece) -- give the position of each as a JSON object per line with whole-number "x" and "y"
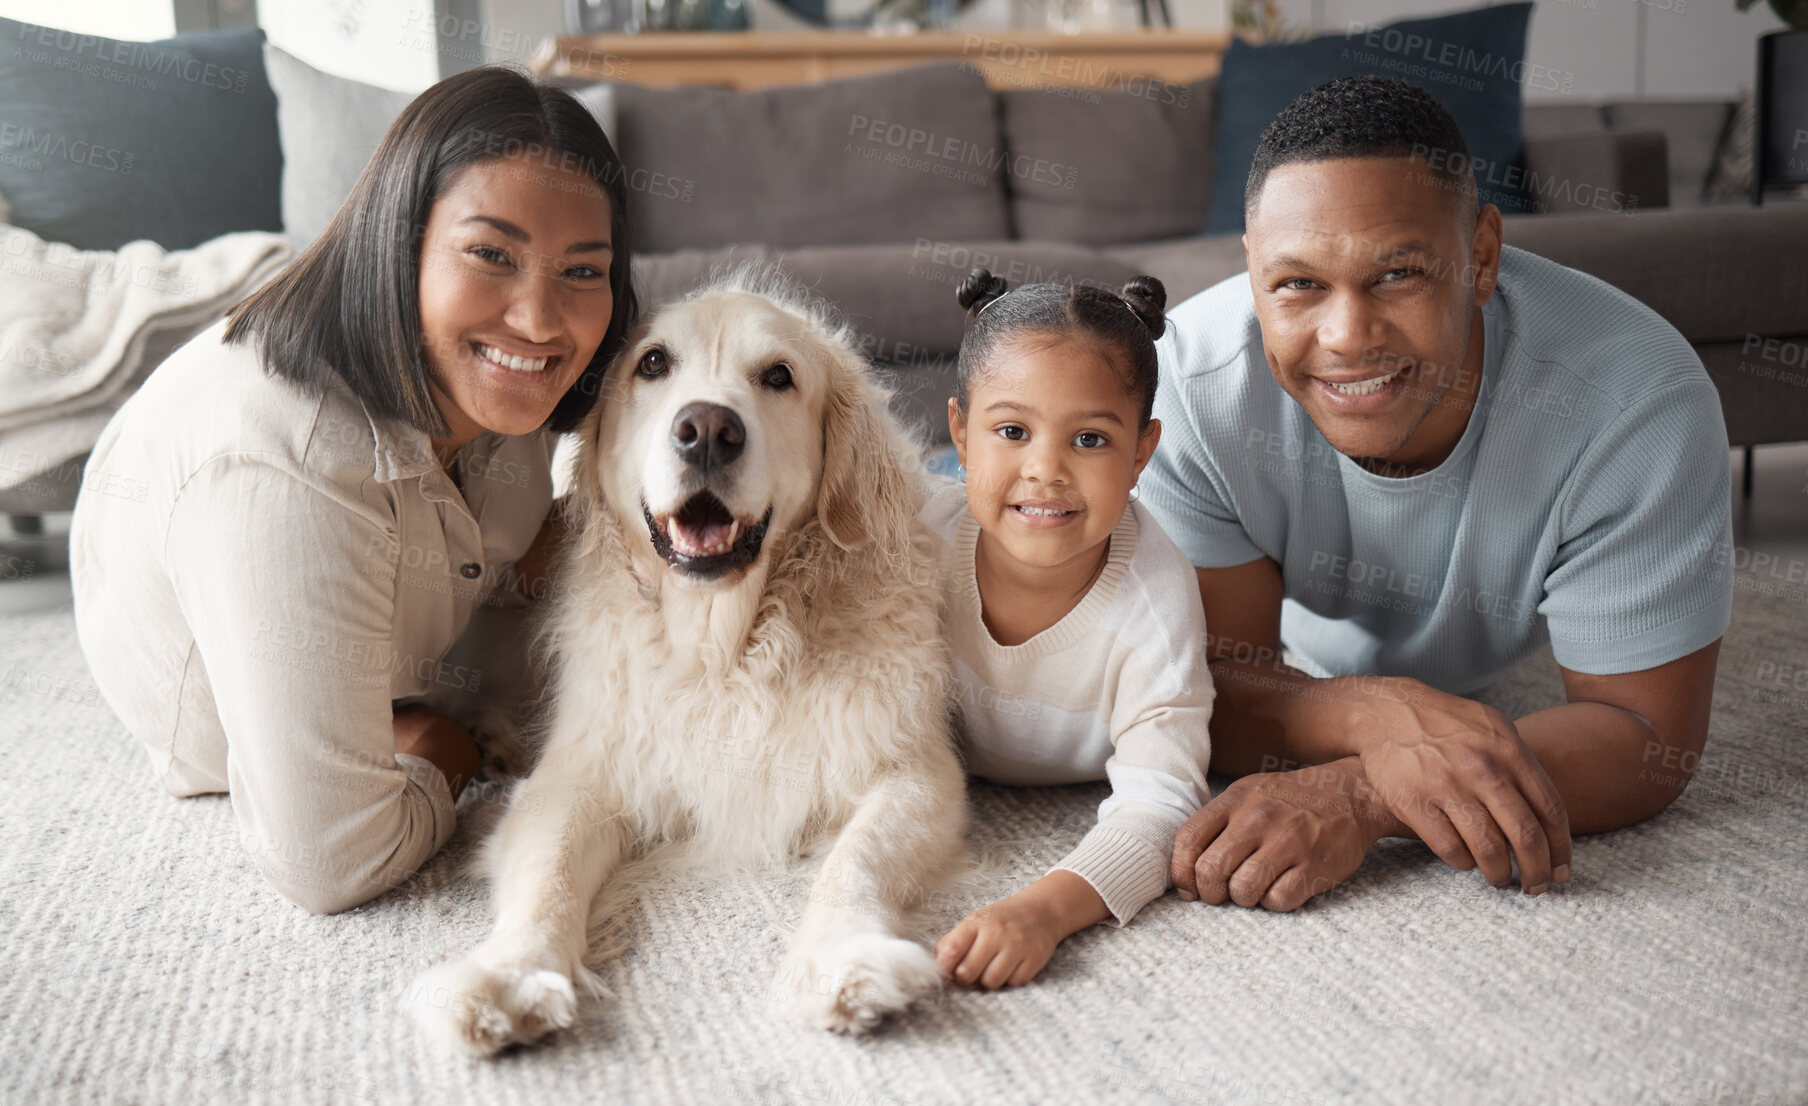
{"x": 1127, "y": 322}
{"x": 349, "y": 306}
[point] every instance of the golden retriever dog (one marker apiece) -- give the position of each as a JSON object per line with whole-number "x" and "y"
{"x": 745, "y": 657}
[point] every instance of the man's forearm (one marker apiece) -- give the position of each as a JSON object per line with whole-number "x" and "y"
{"x": 1608, "y": 764}
{"x": 1268, "y": 717}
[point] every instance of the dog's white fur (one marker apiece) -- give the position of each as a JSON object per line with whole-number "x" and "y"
{"x": 797, "y": 703}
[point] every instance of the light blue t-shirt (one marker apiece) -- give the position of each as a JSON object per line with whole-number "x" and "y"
{"x": 1588, "y": 502}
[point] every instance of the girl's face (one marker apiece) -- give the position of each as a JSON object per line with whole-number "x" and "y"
{"x": 1051, "y": 446}
{"x": 514, "y": 292}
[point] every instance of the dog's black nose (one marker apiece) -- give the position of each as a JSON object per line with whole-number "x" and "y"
{"x": 708, "y": 435}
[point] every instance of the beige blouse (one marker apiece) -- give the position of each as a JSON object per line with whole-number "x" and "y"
{"x": 260, "y": 575}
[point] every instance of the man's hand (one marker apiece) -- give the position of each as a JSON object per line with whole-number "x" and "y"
{"x": 1279, "y": 838}
{"x": 1458, "y": 774}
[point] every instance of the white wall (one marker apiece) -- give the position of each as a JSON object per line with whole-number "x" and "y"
{"x": 513, "y": 29}
{"x": 391, "y": 43}
{"x": 1607, "y": 49}
{"x": 133, "y": 20}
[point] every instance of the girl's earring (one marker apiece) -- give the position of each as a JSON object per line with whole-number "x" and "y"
{"x": 1133, "y": 490}
{"x": 960, "y": 472}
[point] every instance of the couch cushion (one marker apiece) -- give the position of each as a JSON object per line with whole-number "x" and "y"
{"x": 1692, "y": 132}
{"x": 899, "y": 297}
{"x": 1101, "y": 167}
{"x": 1471, "y": 62}
{"x": 103, "y": 141}
{"x": 894, "y": 157}
{"x": 1612, "y": 171}
{"x": 1185, "y": 266}
{"x": 330, "y": 127}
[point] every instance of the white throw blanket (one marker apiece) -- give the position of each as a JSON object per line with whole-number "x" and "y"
{"x": 81, "y": 329}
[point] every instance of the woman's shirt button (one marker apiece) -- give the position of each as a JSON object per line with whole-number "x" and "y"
{"x": 471, "y": 571}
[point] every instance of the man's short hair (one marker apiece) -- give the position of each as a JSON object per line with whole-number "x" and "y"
{"x": 1363, "y": 117}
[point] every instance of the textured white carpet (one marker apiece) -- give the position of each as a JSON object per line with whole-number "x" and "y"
{"x": 145, "y": 961}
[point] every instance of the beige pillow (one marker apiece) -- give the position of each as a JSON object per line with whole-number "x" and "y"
{"x": 330, "y": 127}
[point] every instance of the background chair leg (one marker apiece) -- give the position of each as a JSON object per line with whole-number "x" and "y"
{"x": 1745, "y": 481}
{"x": 24, "y": 525}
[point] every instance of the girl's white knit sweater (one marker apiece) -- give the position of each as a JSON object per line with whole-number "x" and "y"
{"x": 1118, "y": 689}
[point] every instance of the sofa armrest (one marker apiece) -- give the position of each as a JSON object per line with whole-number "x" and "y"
{"x": 1606, "y": 171}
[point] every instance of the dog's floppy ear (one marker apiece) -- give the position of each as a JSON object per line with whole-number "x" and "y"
{"x": 866, "y": 496}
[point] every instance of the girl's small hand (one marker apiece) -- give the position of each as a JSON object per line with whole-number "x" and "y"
{"x": 1011, "y": 940}
{"x": 1006, "y": 942}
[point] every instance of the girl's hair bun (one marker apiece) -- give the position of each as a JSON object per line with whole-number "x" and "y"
{"x": 1146, "y": 297}
{"x": 978, "y": 289}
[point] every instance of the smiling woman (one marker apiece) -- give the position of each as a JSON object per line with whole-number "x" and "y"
{"x": 508, "y": 311}
{"x": 344, "y": 491}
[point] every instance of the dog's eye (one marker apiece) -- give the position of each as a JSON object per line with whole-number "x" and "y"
{"x": 652, "y": 364}
{"x": 778, "y": 377}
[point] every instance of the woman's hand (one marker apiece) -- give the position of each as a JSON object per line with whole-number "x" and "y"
{"x": 533, "y": 571}
{"x": 1011, "y": 940}
{"x": 424, "y": 732}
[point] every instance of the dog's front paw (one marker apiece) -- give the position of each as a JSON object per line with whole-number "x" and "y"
{"x": 854, "y": 984}
{"x": 476, "y": 1009}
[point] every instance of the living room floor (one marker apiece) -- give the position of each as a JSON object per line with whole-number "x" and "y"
{"x": 146, "y": 960}
{"x": 1775, "y": 519}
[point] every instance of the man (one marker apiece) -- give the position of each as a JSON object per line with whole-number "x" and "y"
{"x": 1409, "y": 457}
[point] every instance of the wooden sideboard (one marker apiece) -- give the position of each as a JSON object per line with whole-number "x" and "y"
{"x": 1111, "y": 60}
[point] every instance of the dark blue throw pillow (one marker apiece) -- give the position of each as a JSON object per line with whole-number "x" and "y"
{"x": 1473, "y": 63}
{"x": 103, "y": 141}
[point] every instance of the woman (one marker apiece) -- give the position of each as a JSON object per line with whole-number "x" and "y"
{"x": 292, "y": 523}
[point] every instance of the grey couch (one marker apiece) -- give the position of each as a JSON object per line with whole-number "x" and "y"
{"x": 852, "y": 188}
{"x": 881, "y": 192}
{"x": 1104, "y": 186}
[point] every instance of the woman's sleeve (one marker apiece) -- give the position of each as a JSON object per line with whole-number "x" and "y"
{"x": 1162, "y": 707}
{"x": 289, "y": 591}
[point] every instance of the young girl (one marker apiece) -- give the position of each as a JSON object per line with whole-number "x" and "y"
{"x": 1075, "y": 624}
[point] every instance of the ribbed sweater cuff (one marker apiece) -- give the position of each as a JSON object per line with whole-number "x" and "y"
{"x": 1123, "y": 868}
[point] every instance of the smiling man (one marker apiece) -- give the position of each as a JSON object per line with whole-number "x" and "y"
{"x": 1402, "y": 458}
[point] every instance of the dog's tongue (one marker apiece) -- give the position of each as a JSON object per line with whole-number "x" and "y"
{"x": 702, "y": 539}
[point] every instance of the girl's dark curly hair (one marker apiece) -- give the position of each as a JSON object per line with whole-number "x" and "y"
{"x": 1126, "y": 322}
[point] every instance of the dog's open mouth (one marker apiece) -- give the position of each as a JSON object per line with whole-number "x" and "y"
{"x": 704, "y": 538}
